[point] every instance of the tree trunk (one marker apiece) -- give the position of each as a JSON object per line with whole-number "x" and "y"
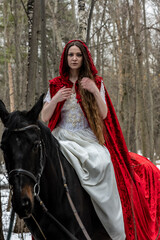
{"x": 56, "y": 30}
{"x": 74, "y": 18}
{"x": 11, "y": 88}
{"x": 149, "y": 91}
{"x": 89, "y": 21}
{"x": 43, "y": 47}
{"x": 17, "y": 70}
{"x": 140, "y": 107}
{"x": 82, "y": 20}
{"x": 33, "y": 55}
{"x": 1, "y": 231}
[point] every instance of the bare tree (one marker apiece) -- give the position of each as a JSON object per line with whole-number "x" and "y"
{"x": 11, "y": 88}
{"x": 1, "y": 232}
{"x": 149, "y": 88}
{"x": 82, "y": 20}
{"x": 56, "y": 29}
{"x": 75, "y": 24}
{"x": 43, "y": 46}
{"x": 33, "y": 52}
{"x": 89, "y": 21}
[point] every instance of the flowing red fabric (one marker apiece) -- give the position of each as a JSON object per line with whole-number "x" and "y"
{"x": 138, "y": 180}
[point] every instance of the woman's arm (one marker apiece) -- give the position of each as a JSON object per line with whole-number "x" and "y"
{"x": 49, "y": 108}
{"x": 90, "y": 85}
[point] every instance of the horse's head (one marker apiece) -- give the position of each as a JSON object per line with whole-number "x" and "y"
{"x": 22, "y": 150}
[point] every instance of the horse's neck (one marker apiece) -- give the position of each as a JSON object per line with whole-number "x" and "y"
{"x": 51, "y": 177}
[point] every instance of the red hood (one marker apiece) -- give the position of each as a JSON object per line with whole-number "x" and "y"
{"x": 92, "y": 66}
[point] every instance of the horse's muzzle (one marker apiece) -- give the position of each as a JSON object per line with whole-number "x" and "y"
{"x": 22, "y": 202}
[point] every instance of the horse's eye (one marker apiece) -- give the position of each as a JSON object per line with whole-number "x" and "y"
{"x": 36, "y": 146}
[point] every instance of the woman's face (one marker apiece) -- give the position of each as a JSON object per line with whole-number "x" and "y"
{"x": 74, "y": 58}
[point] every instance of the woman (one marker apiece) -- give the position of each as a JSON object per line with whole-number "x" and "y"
{"x": 82, "y": 118}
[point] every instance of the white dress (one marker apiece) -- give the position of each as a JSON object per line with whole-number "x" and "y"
{"x": 92, "y": 163}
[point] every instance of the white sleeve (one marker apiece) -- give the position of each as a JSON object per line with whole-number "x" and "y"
{"x": 47, "y": 97}
{"x": 102, "y": 92}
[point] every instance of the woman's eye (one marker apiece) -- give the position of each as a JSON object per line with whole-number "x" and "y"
{"x": 70, "y": 54}
{"x": 79, "y": 55}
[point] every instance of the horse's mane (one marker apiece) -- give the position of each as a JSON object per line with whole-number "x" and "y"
{"x": 51, "y": 145}
{"x": 47, "y": 136}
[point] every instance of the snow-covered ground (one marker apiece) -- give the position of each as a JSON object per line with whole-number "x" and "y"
{"x": 18, "y": 236}
{"x": 158, "y": 164}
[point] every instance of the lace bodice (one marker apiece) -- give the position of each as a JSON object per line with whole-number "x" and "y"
{"x": 72, "y": 117}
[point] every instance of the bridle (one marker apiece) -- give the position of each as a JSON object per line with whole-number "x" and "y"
{"x": 20, "y": 171}
{"x": 36, "y": 179}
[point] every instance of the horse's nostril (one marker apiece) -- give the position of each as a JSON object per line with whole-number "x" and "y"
{"x": 26, "y": 203}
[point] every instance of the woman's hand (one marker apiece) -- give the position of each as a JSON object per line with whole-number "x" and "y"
{"x": 49, "y": 108}
{"x": 89, "y": 85}
{"x": 63, "y": 94}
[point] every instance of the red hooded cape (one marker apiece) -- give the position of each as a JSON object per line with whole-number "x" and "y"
{"x": 137, "y": 178}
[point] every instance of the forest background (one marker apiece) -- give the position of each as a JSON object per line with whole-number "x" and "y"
{"x": 124, "y": 39}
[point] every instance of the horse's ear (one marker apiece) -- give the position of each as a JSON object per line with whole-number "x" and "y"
{"x": 4, "y": 114}
{"x": 36, "y": 109}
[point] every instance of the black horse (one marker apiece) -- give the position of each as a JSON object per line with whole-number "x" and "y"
{"x": 32, "y": 158}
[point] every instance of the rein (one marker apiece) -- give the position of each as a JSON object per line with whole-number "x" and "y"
{"x": 36, "y": 180}
{"x": 71, "y": 202}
